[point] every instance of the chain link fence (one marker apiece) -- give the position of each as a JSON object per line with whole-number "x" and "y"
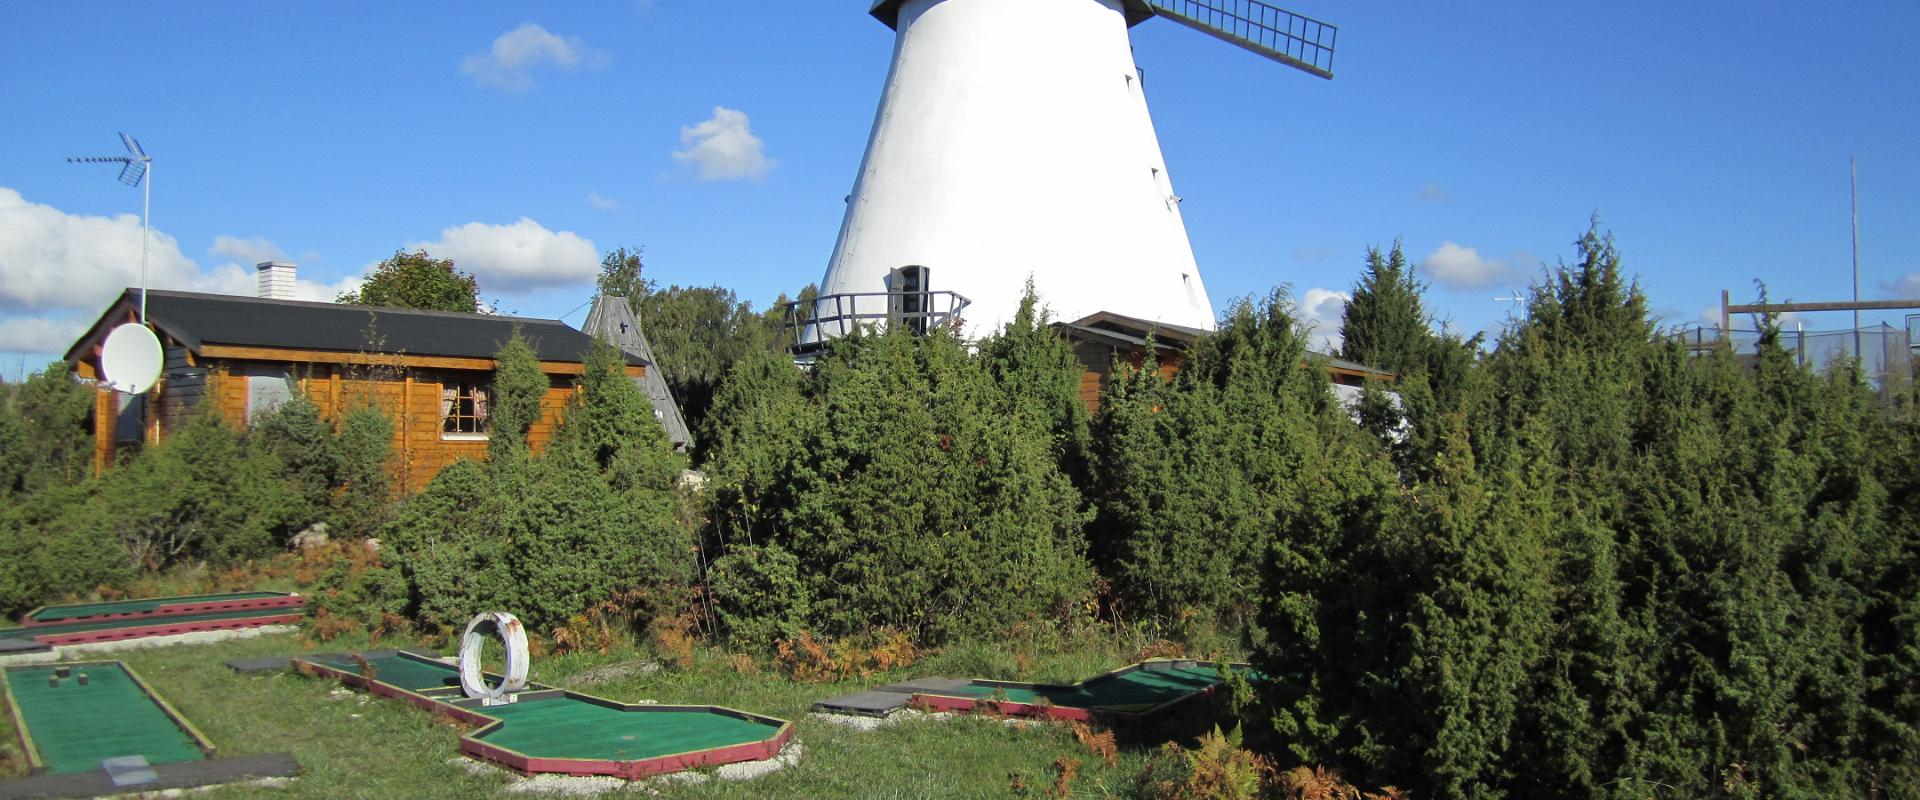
{"x": 1886, "y": 352}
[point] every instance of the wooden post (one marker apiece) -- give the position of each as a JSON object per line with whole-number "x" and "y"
{"x": 405, "y": 422}
{"x": 103, "y": 418}
{"x": 1726, "y": 329}
{"x": 150, "y": 416}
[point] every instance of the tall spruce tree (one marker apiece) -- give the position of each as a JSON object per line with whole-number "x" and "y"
{"x": 1386, "y": 324}
{"x": 519, "y": 387}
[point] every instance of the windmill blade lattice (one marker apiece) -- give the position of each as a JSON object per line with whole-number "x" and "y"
{"x": 1295, "y": 40}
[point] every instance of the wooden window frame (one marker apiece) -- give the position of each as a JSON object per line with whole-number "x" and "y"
{"x": 465, "y": 412}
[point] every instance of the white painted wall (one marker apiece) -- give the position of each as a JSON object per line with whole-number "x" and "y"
{"x": 1013, "y": 139}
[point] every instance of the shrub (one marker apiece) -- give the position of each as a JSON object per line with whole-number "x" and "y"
{"x": 1196, "y": 479}
{"x": 549, "y": 537}
{"x": 518, "y": 388}
{"x": 363, "y": 495}
{"x": 355, "y": 585}
{"x": 55, "y": 543}
{"x": 1217, "y": 769}
{"x": 909, "y": 486}
{"x": 1616, "y": 565}
{"x": 45, "y": 439}
{"x": 758, "y": 595}
{"x": 201, "y": 495}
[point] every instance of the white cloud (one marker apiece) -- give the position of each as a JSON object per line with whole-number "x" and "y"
{"x": 1457, "y": 267}
{"x": 602, "y": 202}
{"x": 1906, "y": 287}
{"x": 724, "y": 147}
{"x": 517, "y": 257}
{"x": 40, "y": 334}
{"x": 1432, "y": 194}
{"x": 246, "y": 251}
{"x": 58, "y": 271}
{"x": 52, "y": 260}
{"x": 510, "y": 63}
{"x": 1320, "y": 311}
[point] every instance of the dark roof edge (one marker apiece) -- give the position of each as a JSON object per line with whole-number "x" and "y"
{"x": 417, "y": 312}
{"x": 888, "y": 12}
{"x": 94, "y": 333}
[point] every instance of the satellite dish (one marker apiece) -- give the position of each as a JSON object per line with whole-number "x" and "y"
{"x": 130, "y": 360}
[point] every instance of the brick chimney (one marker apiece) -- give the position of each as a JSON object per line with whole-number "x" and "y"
{"x": 276, "y": 280}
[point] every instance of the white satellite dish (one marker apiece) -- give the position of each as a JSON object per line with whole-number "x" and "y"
{"x": 130, "y": 360}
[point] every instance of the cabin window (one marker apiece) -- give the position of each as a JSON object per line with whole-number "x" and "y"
{"x": 463, "y": 410}
{"x": 268, "y": 388}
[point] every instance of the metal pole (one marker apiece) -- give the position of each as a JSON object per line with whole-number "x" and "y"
{"x": 1853, "y": 186}
{"x": 146, "y": 209}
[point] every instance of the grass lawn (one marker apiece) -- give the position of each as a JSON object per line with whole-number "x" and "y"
{"x": 359, "y": 746}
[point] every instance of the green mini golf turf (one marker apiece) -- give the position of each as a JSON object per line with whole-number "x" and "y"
{"x": 56, "y": 613}
{"x": 74, "y": 727}
{"x": 563, "y": 727}
{"x": 1137, "y": 690}
{"x": 410, "y": 674}
{"x": 570, "y": 727}
{"x": 140, "y": 622}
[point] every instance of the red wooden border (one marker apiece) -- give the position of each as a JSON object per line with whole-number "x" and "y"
{"x": 473, "y": 745}
{"x": 174, "y": 610}
{"x": 165, "y": 629}
{"x": 953, "y": 703}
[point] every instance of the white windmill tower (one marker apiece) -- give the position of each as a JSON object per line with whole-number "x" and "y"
{"x": 1013, "y": 141}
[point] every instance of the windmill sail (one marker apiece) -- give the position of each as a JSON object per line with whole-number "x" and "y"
{"x": 1301, "y": 42}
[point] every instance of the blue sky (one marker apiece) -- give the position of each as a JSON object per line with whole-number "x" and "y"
{"x": 1712, "y": 138}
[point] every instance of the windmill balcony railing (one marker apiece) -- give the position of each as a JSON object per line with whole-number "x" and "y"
{"x": 811, "y": 323}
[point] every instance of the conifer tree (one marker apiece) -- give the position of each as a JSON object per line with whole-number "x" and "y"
{"x": 1041, "y": 375}
{"x": 1386, "y": 325}
{"x": 908, "y": 485}
{"x": 518, "y": 389}
{"x": 1198, "y": 479}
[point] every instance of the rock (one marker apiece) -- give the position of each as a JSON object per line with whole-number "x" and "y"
{"x": 314, "y": 536}
{"x": 748, "y": 770}
{"x": 372, "y": 545}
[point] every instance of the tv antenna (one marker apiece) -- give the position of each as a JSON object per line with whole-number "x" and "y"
{"x": 136, "y": 165}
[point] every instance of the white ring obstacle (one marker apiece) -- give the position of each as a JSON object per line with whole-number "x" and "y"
{"x": 514, "y": 637}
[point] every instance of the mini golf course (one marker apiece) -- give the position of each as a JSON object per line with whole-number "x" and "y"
{"x": 91, "y": 727}
{"x": 1128, "y": 694}
{"x": 90, "y": 623}
{"x": 161, "y": 607}
{"x": 547, "y": 730}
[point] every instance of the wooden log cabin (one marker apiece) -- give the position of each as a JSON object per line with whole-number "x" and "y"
{"x": 430, "y": 371}
{"x": 1103, "y": 339}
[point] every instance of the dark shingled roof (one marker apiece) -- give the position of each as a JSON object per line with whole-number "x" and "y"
{"x": 201, "y": 319}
